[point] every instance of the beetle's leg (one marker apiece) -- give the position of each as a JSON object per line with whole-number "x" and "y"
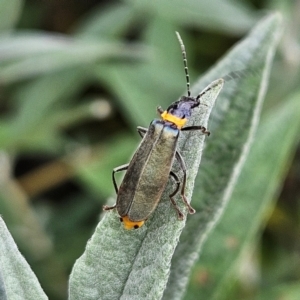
{"x": 115, "y": 170}
{"x": 202, "y": 128}
{"x": 183, "y": 167}
{"x": 141, "y": 131}
{"x": 106, "y": 207}
{"x": 159, "y": 110}
{"x": 180, "y": 214}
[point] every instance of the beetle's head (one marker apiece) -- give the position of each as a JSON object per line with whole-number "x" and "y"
{"x": 179, "y": 111}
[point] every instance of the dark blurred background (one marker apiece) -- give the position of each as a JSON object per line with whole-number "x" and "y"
{"x": 78, "y": 76}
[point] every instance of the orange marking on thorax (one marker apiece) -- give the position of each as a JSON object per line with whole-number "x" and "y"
{"x": 175, "y": 120}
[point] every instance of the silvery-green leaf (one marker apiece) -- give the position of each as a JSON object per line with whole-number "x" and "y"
{"x": 120, "y": 264}
{"x": 17, "y": 281}
{"x": 252, "y": 198}
{"x": 233, "y": 124}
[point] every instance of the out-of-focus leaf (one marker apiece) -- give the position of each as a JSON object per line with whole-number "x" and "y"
{"x": 102, "y": 22}
{"x": 96, "y": 176}
{"x": 38, "y": 102}
{"x": 23, "y": 222}
{"x": 28, "y": 232}
{"x": 284, "y": 291}
{"x": 9, "y": 13}
{"x": 29, "y": 54}
{"x": 213, "y": 15}
{"x": 256, "y": 189}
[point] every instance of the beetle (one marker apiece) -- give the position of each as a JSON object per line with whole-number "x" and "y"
{"x": 150, "y": 167}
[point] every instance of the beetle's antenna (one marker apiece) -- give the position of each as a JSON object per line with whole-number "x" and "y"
{"x": 187, "y": 76}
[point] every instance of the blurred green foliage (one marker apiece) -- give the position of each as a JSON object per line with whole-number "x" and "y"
{"x": 77, "y": 77}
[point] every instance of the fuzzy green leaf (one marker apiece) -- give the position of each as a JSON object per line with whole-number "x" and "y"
{"x": 136, "y": 264}
{"x": 132, "y": 264}
{"x": 254, "y": 192}
{"x": 233, "y": 124}
{"x": 17, "y": 281}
